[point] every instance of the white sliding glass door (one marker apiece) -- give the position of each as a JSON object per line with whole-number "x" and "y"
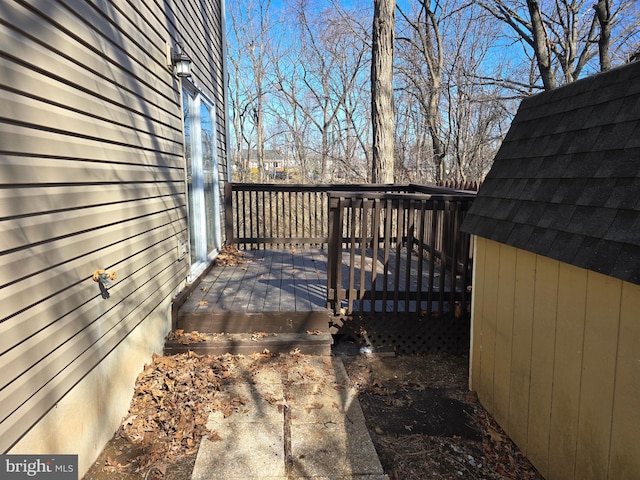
{"x": 203, "y": 179}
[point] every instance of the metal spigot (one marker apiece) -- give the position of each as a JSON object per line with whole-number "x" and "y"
{"x": 104, "y": 278}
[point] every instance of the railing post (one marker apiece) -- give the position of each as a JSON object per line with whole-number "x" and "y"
{"x": 228, "y": 212}
{"x": 334, "y": 253}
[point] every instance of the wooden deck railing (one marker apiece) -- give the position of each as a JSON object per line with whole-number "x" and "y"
{"x": 399, "y": 253}
{"x": 391, "y": 248}
{"x": 263, "y": 215}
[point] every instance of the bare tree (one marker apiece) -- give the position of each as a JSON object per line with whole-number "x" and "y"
{"x": 563, "y": 33}
{"x": 476, "y": 112}
{"x": 422, "y": 69}
{"x": 251, "y": 28}
{"x": 382, "y": 114}
{"x": 451, "y": 114}
{"x": 319, "y": 76}
{"x": 307, "y": 85}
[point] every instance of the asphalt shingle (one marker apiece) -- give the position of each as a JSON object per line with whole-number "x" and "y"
{"x": 566, "y": 180}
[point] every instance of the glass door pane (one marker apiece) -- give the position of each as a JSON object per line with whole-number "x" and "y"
{"x": 187, "y": 107}
{"x": 211, "y": 179}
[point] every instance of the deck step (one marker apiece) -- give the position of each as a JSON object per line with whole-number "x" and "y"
{"x": 240, "y": 322}
{"x": 308, "y": 343}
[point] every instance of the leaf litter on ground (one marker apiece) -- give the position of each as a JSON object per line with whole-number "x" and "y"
{"x": 174, "y": 395}
{"x": 421, "y": 456}
{"x": 230, "y": 255}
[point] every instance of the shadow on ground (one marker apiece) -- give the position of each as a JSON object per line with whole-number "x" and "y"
{"x": 426, "y": 424}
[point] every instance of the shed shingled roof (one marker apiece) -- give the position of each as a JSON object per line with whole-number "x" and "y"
{"x": 565, "y": 182}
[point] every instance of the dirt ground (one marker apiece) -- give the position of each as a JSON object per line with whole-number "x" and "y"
{"x": 424, "y": 422}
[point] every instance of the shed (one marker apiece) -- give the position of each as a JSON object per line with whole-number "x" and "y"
{"x": 555, "y": 351}
{"x": 109, "y": 160}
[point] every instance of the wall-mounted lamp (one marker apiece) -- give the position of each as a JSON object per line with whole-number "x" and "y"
{"x": 179, "y": 61}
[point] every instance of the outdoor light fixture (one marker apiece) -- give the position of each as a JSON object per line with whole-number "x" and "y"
{"x": 179, "y": 61}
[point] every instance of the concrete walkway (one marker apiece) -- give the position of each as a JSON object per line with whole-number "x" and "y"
{"x": 293, "y": 419}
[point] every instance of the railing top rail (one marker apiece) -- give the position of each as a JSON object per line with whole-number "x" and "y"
{"x": 408, "y": 188}
{"x": 440, "y": 190}
{"x": 317, "y": 187}
{"x": 405, "y": 191}
{"x": 451, "y": 197}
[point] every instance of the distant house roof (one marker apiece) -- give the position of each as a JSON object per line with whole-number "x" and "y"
{"x": 566, "y": 180}
{"x": 268, "y": 154}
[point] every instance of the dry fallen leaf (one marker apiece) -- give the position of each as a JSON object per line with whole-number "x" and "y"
{"x": 495, "y": 435}
{"x": 257, "y": 336}
{"x": 128, "y": 421}
{"x": 161, "y": 467}
{"x": 172, "y": 400}
{"x": 314, "y": 406}
{"x": 230, "y": 255}
{"x": 112, "y": 463}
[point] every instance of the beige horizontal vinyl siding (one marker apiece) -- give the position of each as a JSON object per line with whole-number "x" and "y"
{"x": 555, "y": 359}
{"x": 198, "y": 26}
{"x": 202, "y": 37}
{"x": 204, "y": 46}
{"x": 91, "y": 176}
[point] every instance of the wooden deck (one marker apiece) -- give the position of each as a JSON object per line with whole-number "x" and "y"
{"x": 273, "y": 291}
{"x": 353, "y": 287}
{"x": 286, "y": 291}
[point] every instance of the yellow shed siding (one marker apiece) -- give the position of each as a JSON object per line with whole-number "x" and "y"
{"x": 504, "y": 334}
{"x": 520, "y": 367}
{"x": 567, "y": 371}
{"x": 488, "y": 323}
{"x": 625, "y": 424}
{"x": 542, "y": 358}
{"x": 555, "y": 359}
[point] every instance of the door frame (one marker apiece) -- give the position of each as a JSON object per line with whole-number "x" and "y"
{"x": 201, "y": 230}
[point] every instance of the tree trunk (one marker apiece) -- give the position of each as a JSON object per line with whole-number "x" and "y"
{"x": 433, "y": 116}
{"x": 259, "y": 119}
{"x": 603, "y": 12}
{"x": 541, "y": 45}
{"x": 382, "y": 91}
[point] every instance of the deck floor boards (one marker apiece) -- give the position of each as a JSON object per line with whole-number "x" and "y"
{"x": 272, "y": 283}
{"x": 271, "y": 287}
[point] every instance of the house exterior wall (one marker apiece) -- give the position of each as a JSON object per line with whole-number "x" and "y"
{"x": 92, "y": 176}
{"x": 555, "y": 360}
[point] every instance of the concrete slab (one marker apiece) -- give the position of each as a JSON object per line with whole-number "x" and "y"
{"x": 255, "y": 402}
{"x": 303, "y": 423}
{"x": 245, "y": 450}
{"x": 254, "y": 370}
{"x": 319, "y": 369}
{"x": 348, "y": 477}
{"x": 333, "y": 449}
{"x": 332, "y": 406}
